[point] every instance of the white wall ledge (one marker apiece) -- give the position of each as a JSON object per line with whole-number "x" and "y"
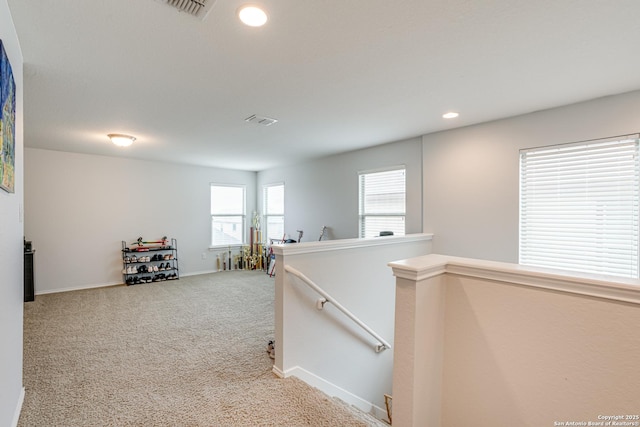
{"x": 611, "y": 288}
{"x": 342, "y": 244}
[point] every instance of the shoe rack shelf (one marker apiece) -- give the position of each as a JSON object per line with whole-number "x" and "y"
{"x": 146, "y": 262}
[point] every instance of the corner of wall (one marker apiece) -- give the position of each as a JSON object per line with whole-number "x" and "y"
{"x": 11, "y": 246}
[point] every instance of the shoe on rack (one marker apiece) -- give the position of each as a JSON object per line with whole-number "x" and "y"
{"x": 134, "y": 259}
{"x": 155, "y": 268}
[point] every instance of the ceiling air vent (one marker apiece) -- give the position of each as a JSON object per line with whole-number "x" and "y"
{"x": 261, "y": 120}
{"x": 197, "y": 8}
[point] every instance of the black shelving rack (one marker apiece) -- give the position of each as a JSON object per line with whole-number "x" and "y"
{"x": 151, "y": 263}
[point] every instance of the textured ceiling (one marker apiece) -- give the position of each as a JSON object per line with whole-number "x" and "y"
{"x": 338, "y": 75}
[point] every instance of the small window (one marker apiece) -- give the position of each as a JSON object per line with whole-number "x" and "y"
{"x": 227, "y": 215}
{"x": 579, "y": 206}
{"x": 273, "y": 200}
{"x": 382, "y": 202}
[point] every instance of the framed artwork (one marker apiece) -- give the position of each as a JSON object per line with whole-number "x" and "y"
{"x": 7, "y": 123}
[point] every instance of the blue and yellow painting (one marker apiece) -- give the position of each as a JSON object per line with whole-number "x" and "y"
{"x": 7, "y": 123}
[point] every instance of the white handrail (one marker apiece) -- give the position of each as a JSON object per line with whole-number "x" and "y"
{"x": 380, "y": 345}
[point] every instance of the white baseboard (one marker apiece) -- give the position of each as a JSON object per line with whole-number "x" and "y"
{"x": 104, "y": 285}
{"x": 333, "y": 390}
{"x": 16, "y": 414}
{"x": 278, "y": 372}
{"x": 197, "y": 273}
{"x": 78, "y": 288}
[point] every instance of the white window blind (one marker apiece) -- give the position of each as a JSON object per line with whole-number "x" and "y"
{"x": 579, "y": 206}
{"x": 382, "y": 202}
{"x": 227, "y": 215}
{"x": 273, "y": 199}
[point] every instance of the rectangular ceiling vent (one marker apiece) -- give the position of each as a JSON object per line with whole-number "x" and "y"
{"x": 197, "y": 8}
{"x": 260, "y": 120}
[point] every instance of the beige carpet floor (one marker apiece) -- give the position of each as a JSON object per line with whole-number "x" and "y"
{"x": 190, "y": 352}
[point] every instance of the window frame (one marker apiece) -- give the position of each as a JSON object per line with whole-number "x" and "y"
{"x": 568, "y": 218}
{"x": 364, "y": 213}
{"x": 241, "y": 215}
{"x": 267, "y": 215}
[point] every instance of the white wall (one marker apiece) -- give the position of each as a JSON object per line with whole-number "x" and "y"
{"x": 512, "y": 345}
{"x": 78, "y": 209}
{"x": 471, "y": 174}
{"x": 545, "y": 356}
{"x": 325, "y": 191}
{"x": 11, "y": 247}
{"x": 324, "y": 347}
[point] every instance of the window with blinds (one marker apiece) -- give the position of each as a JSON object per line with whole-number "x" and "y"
{"x": 227, "y": 215}
{"x": 273, "y": 208}
{"x": 579, "y": 206}
{"x": 382, "y": 202}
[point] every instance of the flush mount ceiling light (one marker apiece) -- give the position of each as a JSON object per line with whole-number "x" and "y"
{"x": 121, "y": 140}
{"x": 252, "y": 16}
{"x": 450, "y": 115}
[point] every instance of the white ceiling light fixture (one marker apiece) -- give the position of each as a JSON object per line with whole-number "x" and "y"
{"x": 450, "y": 115}
{"x": 121, "y": 140}
{"x": 252, "y": 16}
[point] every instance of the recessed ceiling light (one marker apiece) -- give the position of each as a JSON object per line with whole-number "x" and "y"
{"x": 121, "y": 140}
{"x": 252, "y": 16}
{"x": 450, "y": 115}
